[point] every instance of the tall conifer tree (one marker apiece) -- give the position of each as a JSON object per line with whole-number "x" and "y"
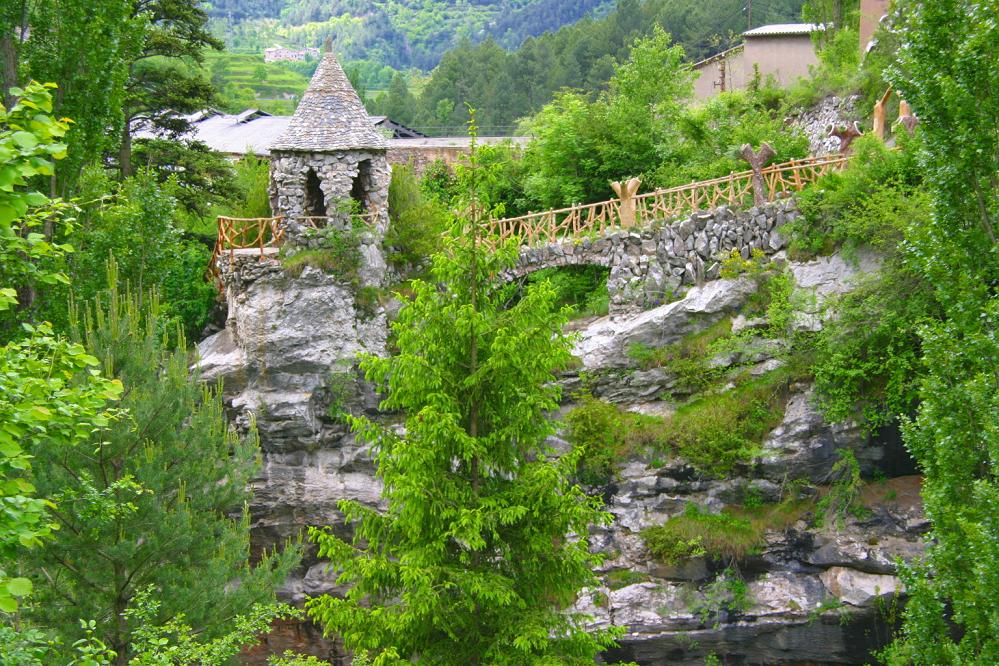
{"x": 483, "y": 546}
{"x": 153, "y": 500}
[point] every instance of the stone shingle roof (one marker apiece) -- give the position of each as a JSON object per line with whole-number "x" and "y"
{"x": 330, "y": 116}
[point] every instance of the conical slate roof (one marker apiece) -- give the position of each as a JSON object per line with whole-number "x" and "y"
{"x": 330, "y": 116}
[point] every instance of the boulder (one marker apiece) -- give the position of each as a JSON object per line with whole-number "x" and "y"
{"x": 858, "y": 588}
{"x": 605, "y": 343}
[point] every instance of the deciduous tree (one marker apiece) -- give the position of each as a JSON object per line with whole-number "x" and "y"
{"x": 948, "y": 69}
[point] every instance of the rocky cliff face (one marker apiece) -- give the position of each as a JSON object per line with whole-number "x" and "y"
{"x": 812, "y": 591}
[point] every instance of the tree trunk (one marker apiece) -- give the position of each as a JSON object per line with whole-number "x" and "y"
{"x": 8, "y": 67}
{"x": 125, "y": 152}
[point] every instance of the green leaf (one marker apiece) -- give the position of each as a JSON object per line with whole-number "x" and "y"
{"x": 25, "y": 140}
{"x": 36, "y": 199}
{"x": 10, "y": 448}
{"x": 19, "y": 587}
{"x": 7, "y": 603}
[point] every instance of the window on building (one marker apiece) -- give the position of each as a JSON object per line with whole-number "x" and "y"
{"x": 362, "y": 184}
{"x": 315, "y": 201}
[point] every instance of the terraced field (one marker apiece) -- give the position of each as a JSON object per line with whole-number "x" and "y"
{"x": 245, "y": 80}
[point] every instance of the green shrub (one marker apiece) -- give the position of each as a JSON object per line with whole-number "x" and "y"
{"x": 728, "y": 593}
{"x": 868, "y": 356}
{"x": 710, "y": 136}
{"x": 720, "y": 536}
{"x": 620, "y": 578}
{"x": 439, "y": 181}
{"x": 607, "y": 434}
{"x": 719, "y": 431}
{"x": 838, "y": 71}
{"x": 416, "y": 222}
{"x": 686, "y": 359}
{"x": 582, "y": 288}
{"x": 870, "y": 203}
{"x": 734, "y": 265}
{"x": 843, "y": 496}
{"x": 599, "y": 429}
{"x": 339, "y": 254}
{"x": 726, "y": 536}
{"x": 252, "y": 181}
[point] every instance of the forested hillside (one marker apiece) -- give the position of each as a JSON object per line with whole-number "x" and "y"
{"x": 507, "y": 86}
{"x": 402, "y": 34}
{"x": 481, "y": 54}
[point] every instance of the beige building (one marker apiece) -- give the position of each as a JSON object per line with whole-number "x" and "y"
{"x": 279, "y": 53}
{"x": 784, "y": 51}
{"x": 871, "y": 13}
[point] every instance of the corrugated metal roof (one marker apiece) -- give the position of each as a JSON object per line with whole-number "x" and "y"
{"x": 225, "y": 133}
{"x": 780, "y": 29}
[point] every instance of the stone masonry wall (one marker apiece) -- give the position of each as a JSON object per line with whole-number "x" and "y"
{"x": 336, "y": 173}
{"x": 651, "y": 267}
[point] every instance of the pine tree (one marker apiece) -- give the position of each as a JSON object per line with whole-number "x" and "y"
{"x": 153, "y": 500}
{"x": 483, "y": 546}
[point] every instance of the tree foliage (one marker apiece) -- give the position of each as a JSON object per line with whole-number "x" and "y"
{"x": 152, "y": 499}
{"x": 483, "y": 546}
{"x": 161, "y": 85}
{"x": 85, "y": 46}
{"x": 30, "y": 144}
{"x": 948, "y": 69}
{"x": 51, "y": 395}
{"x": 581, "y": 146}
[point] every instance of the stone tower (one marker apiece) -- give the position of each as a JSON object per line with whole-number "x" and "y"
{"x": 331, "y": 159}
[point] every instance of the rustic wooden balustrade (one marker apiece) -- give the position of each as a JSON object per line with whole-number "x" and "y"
{"x": 241, "y": 234}
{"x": 263, "y": 233}
{"x": 732, "y": 190}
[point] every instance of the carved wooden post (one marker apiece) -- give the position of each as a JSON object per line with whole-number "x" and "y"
{"x": 880, "y": 109}
{"x": 906, "y": 117}
{"x": 846, "y": 135}
{"x": 626, "y": 193}
{"x": 756, "y": 161}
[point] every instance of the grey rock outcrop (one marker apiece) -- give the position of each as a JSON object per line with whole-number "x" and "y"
{"x": 815, "y": 122}
{"x": 287, "y": 356}
{"x": 289, "y": 344}
{"x": 605, "y": 343}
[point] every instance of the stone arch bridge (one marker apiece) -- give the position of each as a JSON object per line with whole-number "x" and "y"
{"x": 650, "y": 260}
{"x": 653, "y": 265}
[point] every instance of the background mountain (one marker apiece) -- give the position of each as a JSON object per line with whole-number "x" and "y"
{"x": 422, "y": 62}
{"x": 399, "y": 33}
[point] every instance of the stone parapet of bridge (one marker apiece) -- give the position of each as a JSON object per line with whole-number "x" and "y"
{"x": 655, "y": 265}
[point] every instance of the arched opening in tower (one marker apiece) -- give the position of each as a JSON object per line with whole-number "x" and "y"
{"x": 315, "y": 200}
{"x": 362, "y": 185}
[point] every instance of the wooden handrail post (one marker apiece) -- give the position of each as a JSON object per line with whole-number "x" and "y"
{"x": 756, "y": 161}
{"x": 880, "y": 109}
{"x": 626, "y": 193}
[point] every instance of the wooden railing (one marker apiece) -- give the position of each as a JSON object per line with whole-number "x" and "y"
{"x": 732, "y": 190}
{"x": 237, "y": 233}
{"x": 264, "y": 233}
{"x": 318, "y": 222}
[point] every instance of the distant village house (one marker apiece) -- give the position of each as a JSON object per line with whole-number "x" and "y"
{"x": 279, "y": 53}
{"x": 783, "y": 51}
